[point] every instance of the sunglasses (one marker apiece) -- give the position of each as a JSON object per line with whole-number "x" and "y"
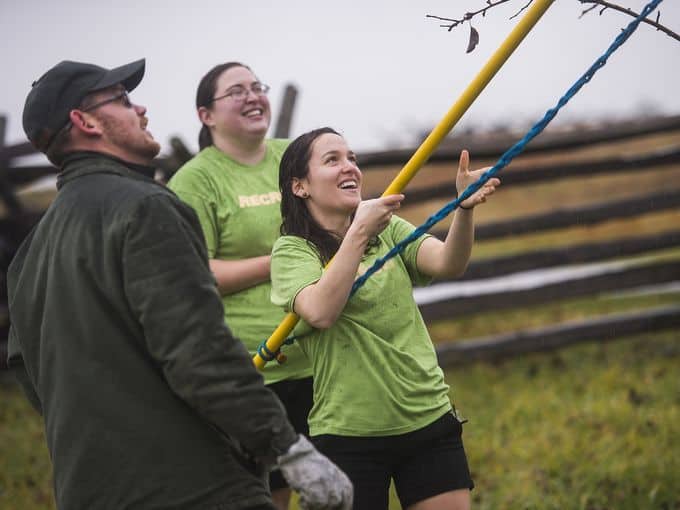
{"x": 123, "y": 97}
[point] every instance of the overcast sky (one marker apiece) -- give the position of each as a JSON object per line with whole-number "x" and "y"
{"x": 377, "y": 70}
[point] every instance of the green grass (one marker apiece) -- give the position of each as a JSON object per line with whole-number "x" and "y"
{"x": 595, "y": 426}
{"x": 481, "y": 324}
{"x": 25, "y": 473}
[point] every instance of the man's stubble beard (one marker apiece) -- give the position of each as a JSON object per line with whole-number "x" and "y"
{"x": 137, "y": 143}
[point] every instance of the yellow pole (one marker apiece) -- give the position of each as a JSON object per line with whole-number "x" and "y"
{"x": 537, "y": 9}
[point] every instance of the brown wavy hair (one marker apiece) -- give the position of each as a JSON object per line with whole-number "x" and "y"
{"x": 297, "y": 220}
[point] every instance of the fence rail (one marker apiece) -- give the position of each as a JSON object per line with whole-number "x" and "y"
{"x": 569, "y": 255}
{"x": 518, "y": 174}
{"x": 506, "y": 297}
{"x": 493, "y": 146}
{"x": 576, "y": 216}
{"x": 612, "y": 327}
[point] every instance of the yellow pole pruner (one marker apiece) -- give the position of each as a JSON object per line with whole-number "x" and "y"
{"x": 422, "y": 154}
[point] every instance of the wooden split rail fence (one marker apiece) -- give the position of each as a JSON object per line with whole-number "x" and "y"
{"x": 487, "y": 276}
{"x": 529, "y": 278}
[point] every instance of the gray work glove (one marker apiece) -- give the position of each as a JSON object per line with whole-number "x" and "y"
{"x": 320, "y": 483}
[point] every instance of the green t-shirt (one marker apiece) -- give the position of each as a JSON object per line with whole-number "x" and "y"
{"x": 239, "y": 210}
{"x": 375, "y": 370}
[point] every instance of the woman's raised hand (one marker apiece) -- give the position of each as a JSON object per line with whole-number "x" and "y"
{"x": 372, "y": 216}
{"x": 465, "y": 177}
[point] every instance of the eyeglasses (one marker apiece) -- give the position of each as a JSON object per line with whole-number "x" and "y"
{"x": 240, "y": 93}
{"x": 123, "y": 96}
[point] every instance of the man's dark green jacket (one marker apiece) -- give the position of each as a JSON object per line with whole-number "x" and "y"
{"x": 118, "y": 338}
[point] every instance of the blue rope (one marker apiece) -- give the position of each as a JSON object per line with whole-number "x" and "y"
{"x": 503, "y": 161}
{"x": 265, "y": 353}
{"x": 509, "y": 155}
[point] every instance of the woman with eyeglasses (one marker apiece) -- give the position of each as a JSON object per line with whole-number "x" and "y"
{"x": 381, "y": 404}
{"x": 232, "y": 184}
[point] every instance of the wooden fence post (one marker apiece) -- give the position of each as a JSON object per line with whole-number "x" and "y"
{"x": 285, "y": 117}
{"x": 6, "y": 192}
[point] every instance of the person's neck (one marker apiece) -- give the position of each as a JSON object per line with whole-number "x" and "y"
{"x": 338, "y": 224}
{"x": 131, "y": 159}
{"x": 142, "y": 168}
{"x": 115, "y": 152}
{"x": 246, "y": 152}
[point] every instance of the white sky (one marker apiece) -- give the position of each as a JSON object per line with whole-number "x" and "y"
{"x": 377, "y": 70}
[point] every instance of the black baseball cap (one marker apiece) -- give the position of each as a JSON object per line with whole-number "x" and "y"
{"x": 63, "y": 88}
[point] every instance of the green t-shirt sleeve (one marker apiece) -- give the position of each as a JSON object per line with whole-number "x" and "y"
{"x": 194, "y": 188}
{"x": 294, "y": 266}
{"x": 399, "y": 230}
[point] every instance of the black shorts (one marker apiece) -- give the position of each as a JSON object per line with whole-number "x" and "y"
{"x": 423, "y": 463}
{"x": 297, "y": 397}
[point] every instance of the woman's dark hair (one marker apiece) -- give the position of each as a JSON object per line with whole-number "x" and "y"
{"x": 296, "y": 217}
{"x": 207, "y": 88}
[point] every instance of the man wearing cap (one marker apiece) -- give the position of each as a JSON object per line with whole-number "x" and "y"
{"x": 117, "y": 333}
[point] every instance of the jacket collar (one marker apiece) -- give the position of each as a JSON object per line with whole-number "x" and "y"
{"x": 79, "y": 164}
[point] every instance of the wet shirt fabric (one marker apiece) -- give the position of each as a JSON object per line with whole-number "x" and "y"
{"x": 375, "y": 368}
{"x": 239, "y": 210}
{"x": 118, "y": 338}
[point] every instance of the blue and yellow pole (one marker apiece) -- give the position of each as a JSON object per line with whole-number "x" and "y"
{"x": 422, "y": 154}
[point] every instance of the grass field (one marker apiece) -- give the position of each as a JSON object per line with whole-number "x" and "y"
{"x": 591, "y": 427}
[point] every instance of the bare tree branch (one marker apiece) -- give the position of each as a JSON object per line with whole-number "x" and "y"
{"x": 604, "y": 4}
{"x": 453, "y": 23}
{"x": 630, "y": 12}
{"x": 586, "y": 11}
{"x": 522, "y": 9}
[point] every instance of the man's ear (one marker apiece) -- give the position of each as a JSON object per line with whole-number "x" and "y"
{"x": 298, "y": 188}
{"x": 84, "y": 123}
{"x": 205, "y": 116}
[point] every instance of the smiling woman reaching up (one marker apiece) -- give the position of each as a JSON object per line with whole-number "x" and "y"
{"x": 381, "y": 405}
